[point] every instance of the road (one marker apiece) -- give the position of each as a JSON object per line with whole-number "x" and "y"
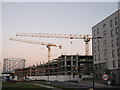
{"x": 87, "y": 86}
{"x": 83, "y": 85}
{"x": 68, "y": 85}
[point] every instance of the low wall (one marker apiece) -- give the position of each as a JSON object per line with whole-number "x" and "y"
{"x": 59, "y": 77}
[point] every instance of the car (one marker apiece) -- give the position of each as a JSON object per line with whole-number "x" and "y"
{"x": 28, "y": 80}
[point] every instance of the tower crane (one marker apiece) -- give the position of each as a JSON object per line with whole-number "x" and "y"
{"x": 40, "y": 43}
{"x": 67, "y": 36}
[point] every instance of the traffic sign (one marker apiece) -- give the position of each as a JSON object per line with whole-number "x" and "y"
{"x": 105, "y": 77}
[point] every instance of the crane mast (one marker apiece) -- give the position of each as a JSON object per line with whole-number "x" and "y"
{"x": 66, "y": 36}
{"x": 40, "y": 43}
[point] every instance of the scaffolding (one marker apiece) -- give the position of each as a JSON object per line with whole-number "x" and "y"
{"x": 10, "y": 64}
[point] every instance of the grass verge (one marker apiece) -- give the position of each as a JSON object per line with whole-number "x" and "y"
{"x": 21, "y": 86}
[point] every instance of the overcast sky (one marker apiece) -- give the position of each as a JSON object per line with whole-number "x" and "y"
{"x": 44, "y": 17}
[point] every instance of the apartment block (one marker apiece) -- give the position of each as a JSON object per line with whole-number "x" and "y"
{"x": 106, "y": 50}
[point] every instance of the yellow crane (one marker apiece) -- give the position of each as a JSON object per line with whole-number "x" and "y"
{"x": 40, "y": 43}
{"x": 67, "y": 36}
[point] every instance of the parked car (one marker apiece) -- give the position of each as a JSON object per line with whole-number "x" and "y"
{"x": 28, "y": 80}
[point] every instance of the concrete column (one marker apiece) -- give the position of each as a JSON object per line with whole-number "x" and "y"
{"x": 72, "y": 70}
{"x": 58, "y": 67}
{"x": 30, "y": 71}
{"x": 36, "y": 71}
{"x": 65, "y": 64}
{"x": 77, "y": 66}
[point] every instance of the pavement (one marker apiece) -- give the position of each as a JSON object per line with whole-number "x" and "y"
{"x": 90, "y": 84}
{"x": 47, "y": 86}
{"x": 96, "y": 84}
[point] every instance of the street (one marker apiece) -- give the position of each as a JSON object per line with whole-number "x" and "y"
{"x": 83, "y": 86}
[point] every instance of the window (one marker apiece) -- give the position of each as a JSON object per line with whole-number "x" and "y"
{"x": 118, "y": 52}
{"x": 116, "y": 20}
{"x": 97, "y": 30}
{"x": 74, "y": 62}
{"x": 103, "y": 65}
{"x": 94, "y": 41}
{"x": 95, "y": 66}
{"x": 104, "y": 25}
{"x": 106, "y": 64}
{"x": 94, "y": 49}
{"x": 104, "y": 33}
{"x": 104, "y": 43}
{"x": 112, "y": 33}
{"x": 68, "y": 62}
{"x": 98, "y": 47}
{"x": 112, "y": 43}
{"x": 119, "y": 63}
{"x": 94, "y": 57}
{"x": 105, "y": 55}
{"x": 117, "y": 41}
{"x": 99, "y": 57}
{"x": 111, "y": 23}
{"x": 116, "y": 31}
{"x": 99, "y": 66}
{"x": 98, "y": 40}
{"x": 114, "y": 64}
{"x": 113, "y": 53}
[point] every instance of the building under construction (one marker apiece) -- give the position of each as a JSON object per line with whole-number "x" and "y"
{"x": 10, "y": 64}
{"x": 63, "y": 68}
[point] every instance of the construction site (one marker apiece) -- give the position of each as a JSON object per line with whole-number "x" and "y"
{"x": 85, "y": 57}
{"x": 63, "y": 68}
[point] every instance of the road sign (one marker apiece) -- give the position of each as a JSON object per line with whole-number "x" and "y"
{"x": 105, "y": 77}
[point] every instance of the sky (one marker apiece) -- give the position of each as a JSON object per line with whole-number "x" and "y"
{"x": 49, "y": 17}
